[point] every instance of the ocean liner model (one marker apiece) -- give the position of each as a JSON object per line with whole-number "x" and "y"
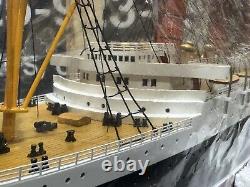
{"x": 135, "y": 101}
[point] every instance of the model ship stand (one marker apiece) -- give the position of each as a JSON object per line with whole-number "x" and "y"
{"x": 168, "y": 112}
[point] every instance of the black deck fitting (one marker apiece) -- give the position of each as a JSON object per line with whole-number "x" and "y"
{"x": 33, "y": 102}
{"x": 33, "y": 152}
{"x": 45, "y": 163}
{"x": 144, "y": 122}
{"x": 50, "y": 106}
{"x": 44, "y": 126}
{"x": 64, "y": 108}
{"x": 34, "y": 166}
{"x": 70, "y": 136}
{"x": 41, "y": 150}
{"x": 112, "y": 120}
{"x": 3, "y": 144}
{"x": 56, "y": 109}
{"x": 118, "y": 119}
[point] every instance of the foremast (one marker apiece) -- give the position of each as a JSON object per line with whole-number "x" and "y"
{"x": 16, "y": 11}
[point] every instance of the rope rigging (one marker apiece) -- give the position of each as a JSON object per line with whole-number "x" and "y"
{"x": 34, "y": 55}
{"x": 110, "y": 72}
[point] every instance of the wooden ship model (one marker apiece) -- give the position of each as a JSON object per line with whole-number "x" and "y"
{"x": 141, "y": 101}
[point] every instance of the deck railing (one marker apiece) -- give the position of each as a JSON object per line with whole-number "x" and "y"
{"x": 71, "y": 160}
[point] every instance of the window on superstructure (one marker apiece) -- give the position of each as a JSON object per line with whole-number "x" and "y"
{"x": 104, "y": 57}
{"x": 115, "y": 58}
{"x": 96, "y": 56}
{"x": 132, "y": 59}
{"x": 120, "y": 58}
{"x": 153, "y": 82}
{"x": 118, "y": 80}
{"x": 126, "y": 80}
{"x": 149, "y": 58}
{"x": 87, "y": 76}
{"x": 126, "y": 58}
{"x": 83, "y": 76}
{"x": 88, "y": 56}
{"x": 144, "y": 82}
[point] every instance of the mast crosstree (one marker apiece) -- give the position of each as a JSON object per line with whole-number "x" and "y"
{"x": 95, "y": 28}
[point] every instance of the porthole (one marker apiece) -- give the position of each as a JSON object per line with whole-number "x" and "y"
{"x": 67, "y": 180}
{"x": 146, "y": 152}
{"x": 127, "y": 159}
{"x": 167, "y": 110}
{"x": 162, "y": 146}
{"x": 190, "y": 134}
{"x": 103, "y": 105}
{"x": 177, "y": 140}
{"x": 83, "y": 175}
{"x": 44, "y": 185}
{"x": 88, "y": 103}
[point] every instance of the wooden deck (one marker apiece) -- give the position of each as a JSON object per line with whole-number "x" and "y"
{"x": 54, "y": 141}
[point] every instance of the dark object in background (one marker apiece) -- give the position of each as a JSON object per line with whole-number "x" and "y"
{"x": 45, "y": 163}
{"x": 3, "y": 144}
{"x": 34, "y": 166}
{"x": 70, "y": 136}
{"x": 112, "y": 120}
{"x": 44, "y": 126}
{"x": 33, "y": 152}
{"x": 33, "y": 102}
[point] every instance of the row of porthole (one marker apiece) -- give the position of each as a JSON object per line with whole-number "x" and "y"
{"x": 67, "y": 180}
{"x": 167, "y": 110}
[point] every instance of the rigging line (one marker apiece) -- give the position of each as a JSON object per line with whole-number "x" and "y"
{"x": 4, "y": 35}
{"x": 125, "y": 85}
{"x": 101, "y": 50}
{"x": 136, "y": 21}
{"x": 102, "y": 77}
{"x": 146, "y": 32}
{"x": 96, "y": 67}
{"x": 34, "y": 54}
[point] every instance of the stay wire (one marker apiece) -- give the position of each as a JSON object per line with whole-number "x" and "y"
{"x": 34, "y": 54}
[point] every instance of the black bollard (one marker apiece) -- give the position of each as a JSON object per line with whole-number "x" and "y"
{"x": 3, "y": 144}
{"x": 70, "y": 136}
{"x": 118, "y": 119}
{"x": 34, "y": 165}
{"x": 64, "y": 108}
{"x": 137, "y": 122}
{"x": 56, "y": 109}
{"x": 45, "y": 163}
{"x": 33, "y": 152}
{"x": 41, "y": 150}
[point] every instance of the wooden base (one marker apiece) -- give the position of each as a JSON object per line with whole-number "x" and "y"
{"x": 54, "y": 141}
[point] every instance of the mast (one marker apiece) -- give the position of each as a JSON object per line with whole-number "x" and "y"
{"x": 16, "y": 11}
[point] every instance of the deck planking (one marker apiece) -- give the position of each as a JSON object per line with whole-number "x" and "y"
{"x": 87, "y": 136}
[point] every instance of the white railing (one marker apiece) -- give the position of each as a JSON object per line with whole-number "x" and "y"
{"x": 41, "y": 98}
{"x": 71, "y": 160}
